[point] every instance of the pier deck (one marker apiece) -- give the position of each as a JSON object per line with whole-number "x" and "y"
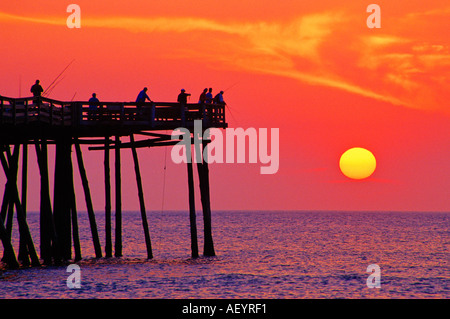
{"x": 26, "y": 119}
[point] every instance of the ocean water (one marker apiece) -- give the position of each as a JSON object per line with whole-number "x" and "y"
{"x": 287, "y": 255}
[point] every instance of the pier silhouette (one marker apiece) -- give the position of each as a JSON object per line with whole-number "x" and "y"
{"x": 41, "y": 122}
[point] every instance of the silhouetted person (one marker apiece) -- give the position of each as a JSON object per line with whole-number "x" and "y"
{"x": 202, "y": 101}
{"x": 182, "y": 99}
{"x": 209, "y": 96}
{"x": 37, "y": 90}
{"x": 218, "y": 99}
{"x": 93, "y": 105}
{"x": 202, "y": 98}
{"x": 141, "y": 98}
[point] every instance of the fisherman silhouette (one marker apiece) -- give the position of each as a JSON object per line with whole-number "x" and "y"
{"x": 142, "y": 96}
{"x": 37, "y": 90}
{"x": 93, "y": 105}
{"x": 182, "y": 99}
{"x": 218, "y": 99}
{"x": 202, "y": 98}
{"x": 209, "y": 96}
{"x": 202, "y": 101}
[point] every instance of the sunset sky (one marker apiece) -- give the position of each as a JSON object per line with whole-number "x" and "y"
{"x": 313, "y": 69}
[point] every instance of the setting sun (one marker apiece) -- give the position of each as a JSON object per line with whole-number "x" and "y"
{"x": 357, "y": 163}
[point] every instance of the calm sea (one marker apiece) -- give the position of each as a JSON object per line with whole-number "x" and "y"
{"x": 287, "y": 255}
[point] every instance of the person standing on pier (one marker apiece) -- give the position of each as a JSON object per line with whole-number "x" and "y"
{"x": 202, "y": 98}
{"x": 182, "y": 99}
{"x": 202, "y": 101}
{"x": 93, "y": 105}
{"x": 209, "y": 96}
{"x": 37, "y": 90}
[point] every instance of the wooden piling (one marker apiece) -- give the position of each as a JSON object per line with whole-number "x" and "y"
{"x": 88, "y": 199}
{"x": 62, "y": 198}
{"x": 118, "y": 183}
{"x": 49, "y": 243}
{"x": 23, "y": 253}
{"x": 6, "y": 196}
{"x": 108, "y": 240}
{"x": 203, "y": 176}
{"x": 141, "y": 199}
{"x": 13, "y": 168}
{"x": 5, "y": 202}
{"x": 192, "y": 217}
{"x": 23, "y": 227}
{"x": 73, "y": 208}
{"x": 9, "y": 256}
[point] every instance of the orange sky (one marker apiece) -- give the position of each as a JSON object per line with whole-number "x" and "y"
{"x": 310, "y": 68}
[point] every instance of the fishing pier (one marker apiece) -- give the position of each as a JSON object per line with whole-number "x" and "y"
{"x": 109, "y": 127}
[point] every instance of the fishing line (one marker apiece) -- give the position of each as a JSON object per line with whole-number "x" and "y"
{"x": 230, "y": 87}
{"x": 163, "y": 189}
{"x": 59, "y": 75}
{"x": 229, "y": 109}
{"x": 55, "y": 85}
{"x": 164, "y": 179}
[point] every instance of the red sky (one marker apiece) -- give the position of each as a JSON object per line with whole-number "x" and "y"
{"x": 313, "y": 69}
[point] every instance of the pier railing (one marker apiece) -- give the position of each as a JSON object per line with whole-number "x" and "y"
{"x": 19, "y": 111}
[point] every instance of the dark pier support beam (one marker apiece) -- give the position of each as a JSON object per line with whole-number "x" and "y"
{"x": 73, "y": 207}
{"x": 49, "y": 242}
{"x": 108, "y": 240}
{"x": 23, "y": 252}
{"x": 203, "y": 176}
{"x": 23, "y": 227}
{"x": 63, "y": 198}
{"x": 203, "y": 171}
{"x": 88, "y": 198}
{"x": 118, "y": 183}
{"x": 12, "y": 179}
{"x": 192, "y": 217}
{"x": 9, "y": 256}
{"x": 5, "y": 202}
{"x": 141, "y": 199}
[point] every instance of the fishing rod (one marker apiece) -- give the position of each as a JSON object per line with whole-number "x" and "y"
{"x": 231, "y": 113}
{"x": 59, "y": 75}
{"x": 51, "y": 90}
{"x": 230, "y": 87}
